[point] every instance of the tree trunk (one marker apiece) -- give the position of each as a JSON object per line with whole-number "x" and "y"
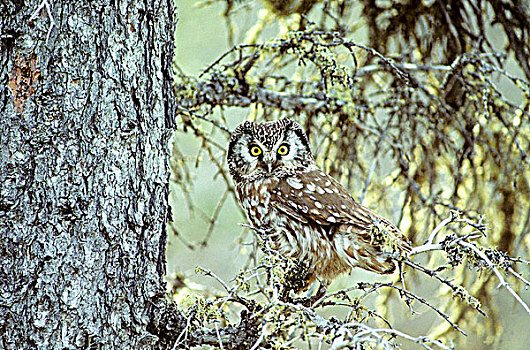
{"x": 86, "y": 112}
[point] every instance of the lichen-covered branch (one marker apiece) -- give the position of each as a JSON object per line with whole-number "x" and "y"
{"x": 425, "y": 120}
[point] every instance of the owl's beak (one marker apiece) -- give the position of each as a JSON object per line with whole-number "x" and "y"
{"x": 269, "y": 162}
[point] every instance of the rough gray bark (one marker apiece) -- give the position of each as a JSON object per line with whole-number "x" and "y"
{"x": 85, "y": 119}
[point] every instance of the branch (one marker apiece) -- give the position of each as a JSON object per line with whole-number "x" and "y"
{"x": 375, "y": 332}
{"x": 497, "y": 273}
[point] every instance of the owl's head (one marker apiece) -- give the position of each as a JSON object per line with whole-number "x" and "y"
{"x": 266, "y": 149}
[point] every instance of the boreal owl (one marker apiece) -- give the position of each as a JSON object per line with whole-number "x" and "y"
{"x": 306, "y": 214}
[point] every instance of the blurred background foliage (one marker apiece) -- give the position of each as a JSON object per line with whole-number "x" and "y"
{"x": 419, "y": 107}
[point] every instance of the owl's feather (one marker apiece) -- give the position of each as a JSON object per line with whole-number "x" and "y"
{"x": 308, "y": 215}
{"x": 316, "y": 198}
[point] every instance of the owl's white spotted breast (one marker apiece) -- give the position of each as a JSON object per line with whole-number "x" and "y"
{"x": 254, "y": 198}
{"x": 296, "y": 238}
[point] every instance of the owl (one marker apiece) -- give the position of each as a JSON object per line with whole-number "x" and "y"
{"x": 306, "y": 214}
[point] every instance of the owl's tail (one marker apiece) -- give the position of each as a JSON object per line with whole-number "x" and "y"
{"x": 371, "y": 260}
{"x": 359, "y": 253}
{"x": 379, "y": 264}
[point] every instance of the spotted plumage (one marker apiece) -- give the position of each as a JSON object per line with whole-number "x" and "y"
{"x": 307, "y": 214}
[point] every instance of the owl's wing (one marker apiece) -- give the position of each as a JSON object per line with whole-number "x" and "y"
{"x": 315, "y": 196}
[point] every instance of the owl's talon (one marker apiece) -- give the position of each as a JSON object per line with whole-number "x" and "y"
{"x": 311, "y": 300}
{"x": 312, "y": 289}
{"x": 322, "y": 290}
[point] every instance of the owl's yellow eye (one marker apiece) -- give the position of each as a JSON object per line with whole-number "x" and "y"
{"x": 283, "y": 150}
{"x": 255, "y": 151}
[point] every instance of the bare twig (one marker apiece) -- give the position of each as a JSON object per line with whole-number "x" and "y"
{"x": 448, "y": 283}
{"x": 451, "y": 218}
{"x": 374, "y": 160}
{"x": 497, "y": 273}
{"x": 218, "y": 336}
{"x": 378, "y": 332}
{"x": 519, "y": 277}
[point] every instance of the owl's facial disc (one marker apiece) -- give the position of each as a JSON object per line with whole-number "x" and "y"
{"x": 264, "y": 149}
